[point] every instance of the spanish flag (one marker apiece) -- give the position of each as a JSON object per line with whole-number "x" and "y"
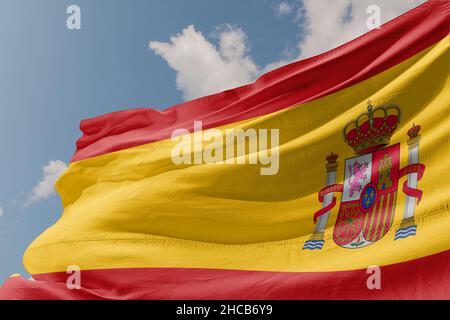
{"x": 324, "y": 179}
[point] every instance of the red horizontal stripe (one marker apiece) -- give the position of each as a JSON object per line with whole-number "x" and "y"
{"x": 425, "y": 278}
{"x": 290, "y": 85}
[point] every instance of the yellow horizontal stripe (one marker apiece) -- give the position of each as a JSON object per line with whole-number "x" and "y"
{"x": 134, "y": 208}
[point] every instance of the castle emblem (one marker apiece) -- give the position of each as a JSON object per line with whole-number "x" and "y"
{"x": 371, "y": 180}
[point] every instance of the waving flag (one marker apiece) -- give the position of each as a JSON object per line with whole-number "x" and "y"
{"x": 357, "y": 181}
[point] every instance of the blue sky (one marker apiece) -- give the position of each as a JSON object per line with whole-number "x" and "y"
{"x": 127, "y": 54}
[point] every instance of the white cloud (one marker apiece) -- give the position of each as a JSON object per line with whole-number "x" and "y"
{"x": 331, "y": 23}
{"x": 2, "y": 212}
{"x": 201, "y": 67}
{"x": 45, "y": 187}
{"x": 284, "y": 9}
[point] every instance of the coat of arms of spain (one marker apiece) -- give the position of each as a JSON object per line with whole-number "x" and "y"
{"x": 370, "y": 186}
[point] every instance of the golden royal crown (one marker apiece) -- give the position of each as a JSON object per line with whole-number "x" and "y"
{"x": 373, "y": 129}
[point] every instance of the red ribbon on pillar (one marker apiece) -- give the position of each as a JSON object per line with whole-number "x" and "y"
{"x": 322, "y": 193}
{"x": 412, "y": 168}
